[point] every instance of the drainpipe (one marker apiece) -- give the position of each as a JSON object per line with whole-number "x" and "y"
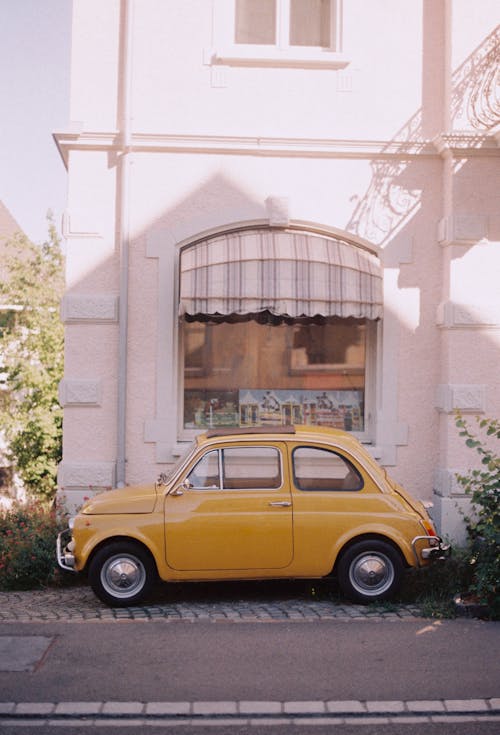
{"x": 124, "y": 126}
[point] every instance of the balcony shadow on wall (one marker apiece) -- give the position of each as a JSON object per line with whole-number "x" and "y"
{"x": 394, "y": 193}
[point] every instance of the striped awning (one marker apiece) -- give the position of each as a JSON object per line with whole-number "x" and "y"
{"x": 286, "y": 273}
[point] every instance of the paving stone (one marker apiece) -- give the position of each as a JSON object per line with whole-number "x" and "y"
{"x": 79, "y": 603}
{"x": 168, "y": 708}
{"x": 324, "y": 721}
{"x": 466, "y": 705}
{"x": 450, "y": 719}
{"x": 423, "y": 705}
{"x": 347, "y": 707}
{"x": 385, "y": 707}
{"x": 297, "y": 708}
{"x": 260, "y": 708}
{"x": 214, "y": 708}
{"x": 123, "y": 724}
{"x": 7, "y": 707}
{"x": 35, "y": 708}
{"x": 78, "y": 708}
{"x": 123, "y": 708}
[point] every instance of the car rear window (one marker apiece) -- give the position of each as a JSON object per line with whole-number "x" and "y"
{"x": 316, "y": 469}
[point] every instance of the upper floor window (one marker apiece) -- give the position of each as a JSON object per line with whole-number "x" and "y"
{"x": 296, "y": 33}
{"x": 284, "y": 22}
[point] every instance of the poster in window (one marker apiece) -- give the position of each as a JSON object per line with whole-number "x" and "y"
{"x": 340, "y": 409}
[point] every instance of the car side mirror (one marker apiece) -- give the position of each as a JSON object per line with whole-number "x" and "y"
{"x": 179, "y": 490}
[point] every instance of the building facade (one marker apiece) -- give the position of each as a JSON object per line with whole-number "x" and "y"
{"x": 281, "y": 210}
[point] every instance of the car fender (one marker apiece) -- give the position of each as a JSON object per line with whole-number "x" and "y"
{"x": 97, "y": 531}
{"x": 379, "y": 531}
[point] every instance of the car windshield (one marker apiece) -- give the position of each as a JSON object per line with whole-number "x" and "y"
{"x": 179, "y": 463}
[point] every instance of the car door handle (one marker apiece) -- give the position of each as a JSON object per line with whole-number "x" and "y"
{"x": 281, "y": 504}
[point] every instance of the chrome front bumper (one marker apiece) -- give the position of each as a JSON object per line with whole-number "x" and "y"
{"x": 435, "y": 550}
{"x": 64, "y": 552}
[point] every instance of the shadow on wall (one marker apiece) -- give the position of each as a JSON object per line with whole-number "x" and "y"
{"x": 391, "y": 198}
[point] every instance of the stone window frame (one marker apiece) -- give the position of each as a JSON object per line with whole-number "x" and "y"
{"x": 386, "y": 433}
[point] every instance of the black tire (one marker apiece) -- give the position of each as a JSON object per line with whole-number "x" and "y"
{"x": 369, "y": 571}
{"x": 122, "y": 573}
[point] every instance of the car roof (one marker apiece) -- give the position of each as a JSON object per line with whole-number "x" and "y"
{"x": 296, "y": 432}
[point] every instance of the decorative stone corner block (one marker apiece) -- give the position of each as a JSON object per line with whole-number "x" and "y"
{"x": 446, "y": 484}
{"x": 80, "y": 224}
{"x": 459, "y": 316}
{"x": 463, "y": 228}
{"x": 278, "y": 211}
{"x": 448, "y": 514}
{"x": 97, "y": 308}
{"x": 86, "y": 475}
{"x": 162, "y": 432}
{"x": 85, "y": 392}
{"x": 466, "y": 398}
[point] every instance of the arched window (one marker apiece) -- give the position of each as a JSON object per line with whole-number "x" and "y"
{"x": 277, "y": 327}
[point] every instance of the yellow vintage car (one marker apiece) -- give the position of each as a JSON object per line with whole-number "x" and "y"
{"x": 282, "y": 502}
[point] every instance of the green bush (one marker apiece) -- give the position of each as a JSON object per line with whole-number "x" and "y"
{"x": 434, "y": 587}
{"x": 483, "y": 524}
{"x": 27, "y": 547}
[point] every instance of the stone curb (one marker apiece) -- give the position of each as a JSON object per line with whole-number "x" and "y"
{"x": 354, "y": 709}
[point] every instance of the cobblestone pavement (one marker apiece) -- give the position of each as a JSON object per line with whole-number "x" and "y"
{"x": 233, "y": 602}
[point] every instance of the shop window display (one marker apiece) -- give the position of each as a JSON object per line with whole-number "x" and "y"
{"x": 258, "y": 373}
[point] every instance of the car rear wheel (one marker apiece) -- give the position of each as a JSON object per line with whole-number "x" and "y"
{"x": 370, "y": 571}
{"x": 121, "y": 574}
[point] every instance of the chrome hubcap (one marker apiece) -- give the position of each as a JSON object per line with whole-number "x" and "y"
{"x": 123, "y": 576}
{"x": 372, "y": 573}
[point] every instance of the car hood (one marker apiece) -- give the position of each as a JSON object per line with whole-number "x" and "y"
{"x": 137, "y": 499}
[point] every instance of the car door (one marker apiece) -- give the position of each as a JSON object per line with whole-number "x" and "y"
{"x": 234, "y": 513}
{"x": 334, "y": 499}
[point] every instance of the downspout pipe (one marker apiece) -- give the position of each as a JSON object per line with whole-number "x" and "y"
{"x": 123, "y": 182}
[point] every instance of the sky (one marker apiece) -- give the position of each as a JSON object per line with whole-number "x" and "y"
{"x": 34, "y": 102}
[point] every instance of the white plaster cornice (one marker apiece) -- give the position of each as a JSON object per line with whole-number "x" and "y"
{"x": 467, "y": 143}
{"x": 249, "y": 145}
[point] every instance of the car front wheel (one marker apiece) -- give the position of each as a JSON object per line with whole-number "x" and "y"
{"x": 369, "y": 571}
{"x": 121, "y": 574}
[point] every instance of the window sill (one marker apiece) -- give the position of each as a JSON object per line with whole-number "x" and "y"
{"x": 269, "y": 56}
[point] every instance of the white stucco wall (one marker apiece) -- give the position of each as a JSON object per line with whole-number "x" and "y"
{"x": 372, "y": 146}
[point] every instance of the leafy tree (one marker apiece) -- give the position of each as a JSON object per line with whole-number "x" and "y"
{"x": 31, "y": 359}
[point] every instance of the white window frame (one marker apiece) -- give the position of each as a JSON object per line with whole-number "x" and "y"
{"x": 226, "y": 52}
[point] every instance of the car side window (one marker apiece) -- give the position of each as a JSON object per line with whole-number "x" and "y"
{"x": 205, "y": 474}
{"x": 251, "y": 468}
{"x": 316, "y": 469}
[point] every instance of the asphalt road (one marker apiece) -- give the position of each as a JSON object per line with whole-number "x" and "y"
{"x": 414, "y": 659}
